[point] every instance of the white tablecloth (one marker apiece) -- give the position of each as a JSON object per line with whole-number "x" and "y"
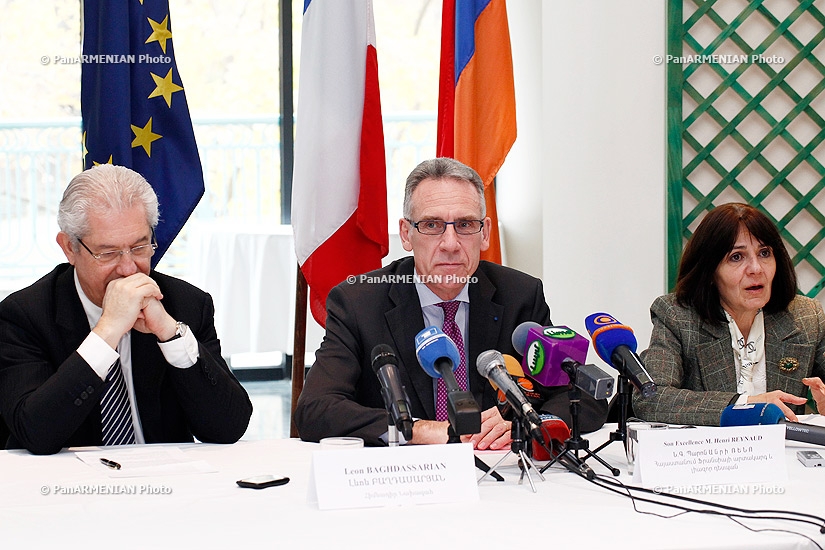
{"x": 210, "y": 511}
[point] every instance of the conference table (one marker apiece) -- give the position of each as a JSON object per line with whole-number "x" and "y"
{"x": 60, "y": 501}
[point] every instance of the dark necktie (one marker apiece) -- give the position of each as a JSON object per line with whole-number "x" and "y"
{"x": 451, "y": 329}
{"x": 115, "y": 411}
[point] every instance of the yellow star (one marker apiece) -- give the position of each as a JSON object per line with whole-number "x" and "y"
{"x": 165, "y": 87}
{"x": 144, "y": 137}
{"x": 160, "y": 32}
{"x": 85, "y": 151}
{"x": 107, "y": 162}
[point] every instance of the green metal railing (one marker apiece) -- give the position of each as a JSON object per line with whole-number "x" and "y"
{"x": 746, "y": 118}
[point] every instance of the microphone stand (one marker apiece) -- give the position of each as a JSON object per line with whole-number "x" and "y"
{"x": 625, "y": 392}
{"x": 576, "y": 442}
{"x": 392, "y": 431}
{"x": 517, "y": 445}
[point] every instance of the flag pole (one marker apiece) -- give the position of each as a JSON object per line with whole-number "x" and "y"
{"x": 298, "y": 346}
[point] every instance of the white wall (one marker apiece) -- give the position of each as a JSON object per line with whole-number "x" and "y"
{"x": 591, "y": 153}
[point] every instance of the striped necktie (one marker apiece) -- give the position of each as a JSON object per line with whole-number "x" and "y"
{"x": 115, "y": 411}
{"x": 450, "y": 328}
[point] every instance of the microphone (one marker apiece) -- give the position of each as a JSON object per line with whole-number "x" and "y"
{"x": 490, "y": 365}
{"x": 756, "y": 414}
{"x": 616, "y": 345}
{"x": 396, "y": 401}
{"x": 544, "y": 349}
{"x": 438, "y": 356}
{"x": 556, "y": 432}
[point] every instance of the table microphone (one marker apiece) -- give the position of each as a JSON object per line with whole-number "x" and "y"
{"x": 396, "y": 401}
{"x": 755, "y": 414}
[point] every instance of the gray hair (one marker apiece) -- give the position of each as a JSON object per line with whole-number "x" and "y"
{"x": 100, "y": 188}
{"x": 439, "y": 169}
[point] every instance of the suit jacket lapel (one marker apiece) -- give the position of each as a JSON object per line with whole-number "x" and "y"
{"x": 778, "y": 328}
{"x": 148, "y": 369}
{"x": 405, "y": 320}
{"x": 484, "y": 328}
{"x": 715, "y": 357}
{"x": 69, "y": 314}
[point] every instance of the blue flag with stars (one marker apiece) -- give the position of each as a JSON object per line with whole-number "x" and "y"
{"x": 134, "y": 107}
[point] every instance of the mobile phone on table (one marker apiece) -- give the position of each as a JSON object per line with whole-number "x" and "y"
{"x": 810, "y": 458}
{"x": 262, "y": 482}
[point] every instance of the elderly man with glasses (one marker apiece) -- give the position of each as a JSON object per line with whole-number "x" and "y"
{"x": 104, "y": 351}
{"x": 444, "y": 284}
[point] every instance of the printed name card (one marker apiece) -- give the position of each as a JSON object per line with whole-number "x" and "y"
{"x": 711, "y": 456}
{"x": 391, "y": 476}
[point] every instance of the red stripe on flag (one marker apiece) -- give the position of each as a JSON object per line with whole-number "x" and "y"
{"x": 372, "y": 200}
{"x": 446, "y": 83}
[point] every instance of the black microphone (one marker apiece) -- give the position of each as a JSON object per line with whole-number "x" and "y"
{"x": 755, "y": 414}
{"x": 396, "y": 401}
{"x": 490, "y": 365}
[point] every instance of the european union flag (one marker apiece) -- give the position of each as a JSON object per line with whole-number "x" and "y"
{"x": 134, "y": 107}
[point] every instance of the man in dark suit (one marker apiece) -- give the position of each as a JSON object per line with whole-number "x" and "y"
{"x": 446, "y": 229}
{"x": 105, "y": 332}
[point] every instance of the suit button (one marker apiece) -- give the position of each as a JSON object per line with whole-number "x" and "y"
{"x": 78, "y": 402}
{"x": 90, "y": 390}
{"x": 214, "y": 381}
{"x": 84, "y": 395}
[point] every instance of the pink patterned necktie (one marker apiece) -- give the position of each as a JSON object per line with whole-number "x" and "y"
{"x": 451, "y": 329}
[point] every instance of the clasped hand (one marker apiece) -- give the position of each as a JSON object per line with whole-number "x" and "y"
{"x": 133, "y": 302}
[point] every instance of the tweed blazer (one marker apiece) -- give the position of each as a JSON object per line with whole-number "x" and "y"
{"x": 692, "y": 361}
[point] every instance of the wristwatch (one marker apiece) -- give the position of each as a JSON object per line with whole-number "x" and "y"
{"x": 180, "y": 330}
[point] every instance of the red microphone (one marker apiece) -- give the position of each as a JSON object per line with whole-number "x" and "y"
{"x": 555, "y": 432}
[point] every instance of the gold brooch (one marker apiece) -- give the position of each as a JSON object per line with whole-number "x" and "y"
{"x": 788, "y": 364}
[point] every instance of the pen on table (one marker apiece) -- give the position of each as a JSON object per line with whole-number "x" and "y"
{"x": 110, "y": 463}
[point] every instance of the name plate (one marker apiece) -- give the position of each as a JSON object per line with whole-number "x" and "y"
{"x": 391, "y": 476}
{"x": 711, "y": 456}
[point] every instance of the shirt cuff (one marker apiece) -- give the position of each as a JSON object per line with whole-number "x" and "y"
{"x": 100, "y": 356}
{"x": 742, "y": 399}
{"x": 181, "y": 352}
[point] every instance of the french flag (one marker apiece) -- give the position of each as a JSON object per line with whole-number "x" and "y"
{"x": 339, "y": 190}
{"x": 476, "y": 95}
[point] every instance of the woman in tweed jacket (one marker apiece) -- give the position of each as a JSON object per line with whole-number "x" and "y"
{"x": 735, "y": 278}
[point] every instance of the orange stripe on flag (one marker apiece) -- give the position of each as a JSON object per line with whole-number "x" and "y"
{"x": 485, "y": 108}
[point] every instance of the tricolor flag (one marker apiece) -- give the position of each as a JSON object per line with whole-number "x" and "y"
{"x": 339, "y": 189}
{"x": 134, "y": 107}
{"x": 476, "y": 96}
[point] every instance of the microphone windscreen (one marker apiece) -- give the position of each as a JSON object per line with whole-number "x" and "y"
{"x": 513, "y": 365}
{"x": 751, "y": 414}
{"x": 431, "y": 344}
{"x": 555, "y": 432}
{"x": 519, "y": 337}
{"x": 607, "y": 334}
{"x": 547, "y": 348}
{"x": 382, "y": 354}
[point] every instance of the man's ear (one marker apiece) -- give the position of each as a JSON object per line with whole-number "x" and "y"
{"x": 65, "y": 243}
{"x": 404, "y": 228}
{"x": 485, "y": 234}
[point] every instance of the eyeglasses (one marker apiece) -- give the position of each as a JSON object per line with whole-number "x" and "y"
{"x": 438, "y": 227}
{"x": 111, "y": 257}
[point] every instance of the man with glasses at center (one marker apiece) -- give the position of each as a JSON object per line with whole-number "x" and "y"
{"x": 445, "y": 285}
{"x": 104, "y": 351}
